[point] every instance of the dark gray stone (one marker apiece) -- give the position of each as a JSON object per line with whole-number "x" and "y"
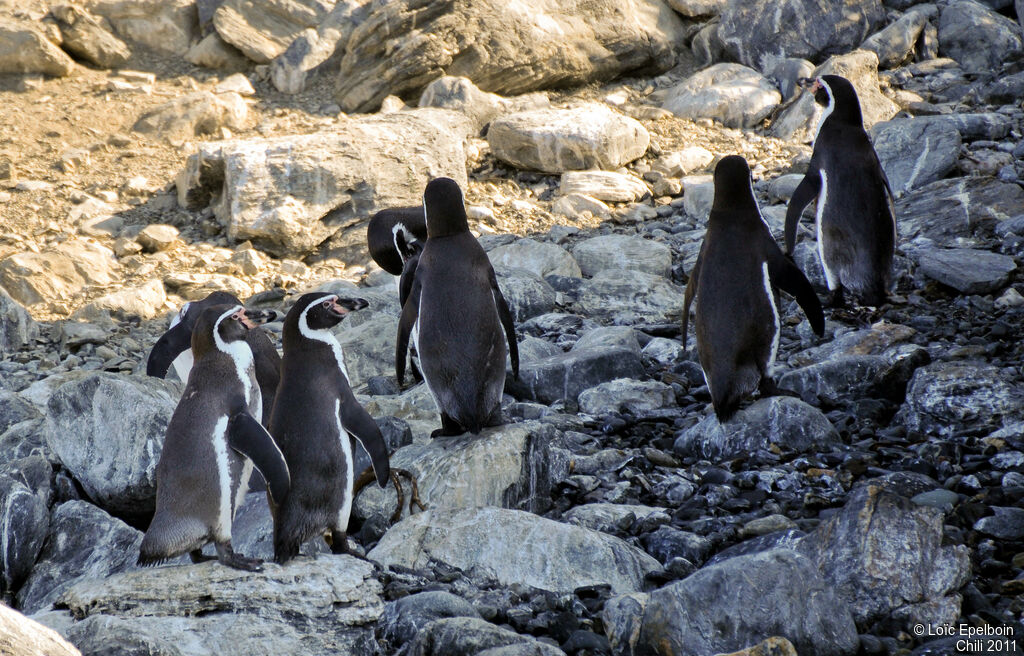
{"x": 850, "y": 377}
{"x": 787, "y": 539}
{"x": 915, "y": 152}
{"x": 35, "y": 473}
{"x": 968, "y": 270}
{"x": 809, "y": 29}
{"x": 405, "y": 618}
{"x": 24, "y": 439}
{"x": 15, "y": 410}
{"x": 24, "y": 522}
{"x": 882, "y": 554}
{"x": 1004, "y": 90}
{"x": 470, "y": 636}
{"x": 626, "y": 395}
{"x": 396, "y": 434}
{"x": 782, "y": 420}
{"x": 565, "y": 375}
{"x": 945, "y": 398}
{"x": 734, "y": 604}
{"x": 948, "y": 211}
{"x": 83, "y": 543}
{"x": 17, "y": 328}
{"x": 1003, "y": 524}
{"x": 979, "y": 39}
{"x": 894, "y": 45}
{"x": 527, "y": 294}
{"x": 667, "y": 543}
{"x": 628, "y": 297}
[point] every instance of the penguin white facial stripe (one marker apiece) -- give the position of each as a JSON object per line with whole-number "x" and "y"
{"x": 220, "y": 450}
{"x": 346, "y": 448}
{"x": 181, "y": 315}
{"x": 775, "y": 317}
{"x": 322, "y": 334}
{"x": 238, "y": 351}
{"x": 828, "y": 108}
{"x": 409, "y": 238}
{"x": 830, "y": 277}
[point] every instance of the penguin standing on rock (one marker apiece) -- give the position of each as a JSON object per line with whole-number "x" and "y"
{"x": 315, "y": 418}
{"x": 459, "y": 313}
{"x": 213, "y": 440}
{"x": 856, "y": 225}
{"x": 174, "y": 349}
{"x": 735, "y": 282}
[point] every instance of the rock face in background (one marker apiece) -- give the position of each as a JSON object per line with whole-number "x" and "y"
{"x": 168, "y": 26}
{"x": 755, "y": 32}
{"x": 261, "y": 29}
{"x": 977, "y": 37}
{"x": 289, "y": 194}
{"x": 402, "y": 46}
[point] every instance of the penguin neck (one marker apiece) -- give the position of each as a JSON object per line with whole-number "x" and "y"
{"x": 742, "y": 201}
{"x": 447, "y": 226}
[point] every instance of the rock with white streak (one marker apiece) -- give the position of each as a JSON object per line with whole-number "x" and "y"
{"x": 17, "y": 328}
{"x": 603, "y": 185}
{"x": 24, "y": 523}
{"x": 915, "y": 151}
{"x": 733, "y": 94}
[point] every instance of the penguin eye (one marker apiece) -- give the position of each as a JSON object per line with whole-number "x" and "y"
{"x": 327, "y": 304}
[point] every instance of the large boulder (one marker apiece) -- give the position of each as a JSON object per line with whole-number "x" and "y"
{"x": 17, "y": 328}
{"x": 967, "y": 270}
{"x": 895, "y": 44}
{"x": 25, "y": 49}
{"x": 24, "y": 524}
{"x": 619, "y": 252}
{"x": 83, "y": 543}
{"x": 627, "y": 296}
{"x": 951, "y": 212}
{"x": 288, "y": 194}
{"x": 504, "y": 466}
{"x": 733, "y": 604}
{"x": 322, "y": 605}
{"x": 21, "y": 636}
{"x": 884, "y": 554}
{"x": 915, "y": 151}
{"x": 558, "y": 140}
{"x": 735, "y": 95}
{"x": 168, "y": 26}
{"x": 945, "y": 398}
{"x": 402, "y": 46}
{"x": 977, "y": 37}
{"x": 542, "y": 258}
{"x": 85, "y": 37}
{"x": 779, "y": 420}
{"x": 369, "y": 348}
{"x": 565, "y": 375}
{"x": 108, "y": 430}
{"x": 762, "y": 30}
{"x": 526, "y": 293}
{"x": 515, "y": 547}
{"x": 262, "y": 29}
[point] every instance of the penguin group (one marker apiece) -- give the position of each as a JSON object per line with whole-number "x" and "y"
{"x": 294, "y": 418}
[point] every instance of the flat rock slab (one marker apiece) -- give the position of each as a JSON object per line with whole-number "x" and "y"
{"x": 288, "y": 194}
{"x": 513, "y": 546}
{"x": 603, "y": 185}
{"x": 565, "y": 375}
{"x": 505, "y": 466}
{"x": 948, "y": 211}
{"x": 403, "y": 45}
{"x": 782, "y": 420}
{"x": 621, "y": 252}
{"x": 732, "y": 94}
{"x": 262, "y": 29}
{"x": 866, "y": 341}
{"x": 589, "y": 136}
{"x": 733, "y": 604}
{"x": 915, "y": 151}
{"x": 542, "y": 258}
{"x": 967, "y": 270}
{"x": 945, "y": 398}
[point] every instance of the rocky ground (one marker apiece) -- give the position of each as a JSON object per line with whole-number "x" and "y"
{"x": 152, "y": 152}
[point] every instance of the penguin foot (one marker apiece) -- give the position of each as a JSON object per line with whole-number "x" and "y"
{"x": 338, "y": 541}
{"x": 449, "y": 427}
{"x": 414, "y": 494}
{"x": 227, "y": 556}
{"x": 837, "y": 298}
{"x": 768, "y": 387}
{"x": 196, "y": 556}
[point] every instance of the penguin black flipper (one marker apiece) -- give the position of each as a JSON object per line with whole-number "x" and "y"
{"x": 170, "y": 345}
{"x": 805, "y": 192}
{"x": 785, "y": 275}
{"x": 247, "y": 436}
{"x": 506, "y": 321}
{"x": 360, "y": 425}
{"x": 410, "y": 312}
{"x": 691, "y": 290}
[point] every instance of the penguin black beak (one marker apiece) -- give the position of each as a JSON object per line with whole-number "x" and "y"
{"x": 343, "y": 306}
{"x": 252, "y": 318}
{"x": 809, "y": 83}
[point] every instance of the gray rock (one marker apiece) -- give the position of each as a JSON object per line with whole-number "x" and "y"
{"x": 195, "y": 114}
{"x": 664, "y": 351}
{"x": 667, "y": 542}
{"x": 167, "y": 26}
{"x": 948, "y": 211}
{"x": 787, "y": 72}
{"x": 542, "y": 258}
{"x": 697, "y": 8}
{"x": 734, "y": 604}
{"x": 894, "y": 45}
{"x": 786, "y": 539}
{"x": 1004, "y": 524}
{"x": 21, "y": 636}
{"x": 472, "y": 636}
{"x": 288, "y": 194}
{"x": 782, "y": 420}
{"x": 214, "y": 52}
{"x": 882, "y": 553}
{"x": 262, "y": 29}
{"x": 945, "y": 398}
{"x": 915, "y": 151}
{"x": 17, "y": 328}
{"x": 732, "y": 94}
{"x": 609, "y": 517}
{"x": 147, "y": 300}
{"x": 369, "y": 348}
{"x": 15, "y": 410}
{"x": 565, "y": 375}
{"x": 86, "y": 38}
{"x": 552, "y": 45}
{"x": 404, "y": 618}
{"x": 838, "y": 380}
{"x": 527, "y": 294}
{"x": 83, "y": 543}
{"x": 59, "y": 274}
{"x": 755, "y": 32}
{"x": 461, "y": 95}
{"x": 622, "y": 252}
{"x": 512, "y": 546}
{"x": 978, "y": 125}
{"x": 108, "y": 431}
{"x": 557, "y": 140}
{"x": 626, "y": 296}
{"x": 23, "y": 527}
{"x": 322, "y": 605}
{"x": 800, "y": 120}
{"x": 968, "y": 270}
{"x": 308, "y": 48}
{"x": 25, "y": 49}
{"x": 603, "y": 185}
{"x": 678, "y": 163}
{"x": 626, "y": 395}
{"x": 505, "y": 466}
{"x": 698, "y": 195}
{"x": 415, "y": 406}
{"x": 609, "y": 337}
{"x": 978, "y": 38}
{"x": 34, "y": 472}
{"x": 534, "y": 348}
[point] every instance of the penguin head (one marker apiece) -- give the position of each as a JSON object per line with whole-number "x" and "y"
{"x": 178, "y": 337}
{"x": 319, "y": 311}
{"x": 733, "y": 185}
{"x": 406, "y": 243}
{"x": 444, "y": 208}
{"x": 837, "y": 95}
{"x": 220, "y": 325}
